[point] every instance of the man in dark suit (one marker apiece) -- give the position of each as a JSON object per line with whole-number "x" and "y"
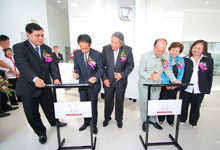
{"x": 118, "y": 63}
{"x": 57, "y": 57}
{"x": 33, "y": 59}
{"x": 88, "y": 68}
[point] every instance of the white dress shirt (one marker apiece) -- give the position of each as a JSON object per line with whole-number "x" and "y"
{"x": 115, "y": 55}
{"x": 194, "y": 78}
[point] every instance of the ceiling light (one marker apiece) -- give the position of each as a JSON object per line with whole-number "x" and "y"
{"x": 58, "y": 1}
{"x": 207, "y": 2}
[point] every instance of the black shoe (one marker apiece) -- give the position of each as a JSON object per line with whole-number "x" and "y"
{"x": 156, "y": 125}
{"x": 105, "y": 122}
{"x": 3, "y": 114}
{"x": 134, "y": 100}
{"x": 119, "y": 124}
{"x": 144, "y": 126}
{"x": 95, "y": 130}
{"x": 10, "y": 109}
{"x": 83, "y": 127}
{"x": 62, "y": 124}
{"x": 14, "y": 103}
{"x": 43, "y": 139}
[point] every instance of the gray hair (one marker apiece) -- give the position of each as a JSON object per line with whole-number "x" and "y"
{"x": 120, "y": 36}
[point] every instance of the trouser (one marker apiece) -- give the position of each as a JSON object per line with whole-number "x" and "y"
{"x": 84, "y": 96}
{"x": 143, "y": 98}
{"x": 167, "y": 94}
{"x": 13, "y": 96}
{"x": 195, "y": 101}
{"x": 115, "y": 91}
{"x": 31, "y": 109}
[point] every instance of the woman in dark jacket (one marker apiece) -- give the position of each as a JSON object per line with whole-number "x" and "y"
{"x": 199, "y": 72}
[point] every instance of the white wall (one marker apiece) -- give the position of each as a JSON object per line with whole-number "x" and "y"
{"x": 174, "y": 20}
{"x": 58, "y": 26}
{"x": 14, "y": 15}
{"x": 99, "y": 19}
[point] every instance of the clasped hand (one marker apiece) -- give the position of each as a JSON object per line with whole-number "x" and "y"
{"x": 117, "y": 76}
{"x": 154, "y": 77}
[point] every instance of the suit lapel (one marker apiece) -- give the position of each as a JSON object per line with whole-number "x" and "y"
{"x": 111, "y": 56}
{"x": 32, "y": 50}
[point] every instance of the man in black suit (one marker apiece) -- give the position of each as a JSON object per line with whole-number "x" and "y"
{"x": 118, "y": 63}
{"x": 33, "y": 59}
{"x": 57, "y": 57}
{"x": 88, "y": 68}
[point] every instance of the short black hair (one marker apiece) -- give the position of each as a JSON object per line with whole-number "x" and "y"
{"x": 6, "y": 49}
{"x": 55, "y": 46}
{"x": 4, "y": 38}
{"x": 84, "y": 38}
{"x": 33, "y": 26}
{"x": 155, "y": 43}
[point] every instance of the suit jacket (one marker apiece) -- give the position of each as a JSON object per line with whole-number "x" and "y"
{"x": 87, "y": 72}
{"x": 124, "y": 68}
{"x": 204, "y": 77}
{"x": 57, "y": 59}
{"x": 30, "y": 66}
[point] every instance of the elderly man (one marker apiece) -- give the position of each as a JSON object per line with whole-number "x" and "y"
{"x": 118, "y": 63}
{"x": 152, "y": 65}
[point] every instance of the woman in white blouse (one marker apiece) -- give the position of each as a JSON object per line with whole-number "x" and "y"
{"x": 199, "y": 72}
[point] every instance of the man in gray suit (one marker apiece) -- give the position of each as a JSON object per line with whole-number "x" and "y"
{"x": 118, "y": 63}
{"x": 152, "y": 65}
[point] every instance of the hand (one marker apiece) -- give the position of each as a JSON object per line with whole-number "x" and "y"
{"x": 11, "y": 70}
{"x": 39, "y": 83}
{"x": 57, "y": 81}
{"x": 117, "y": 76}
{"x": 170, "y": 87}
{"x": 177, "y": 82}
{"x": 107, "y": 83}
{"x": 92, "y": 80}
{"x": 6, "y": 77}
{"x": 75, "y": 75}
{"x": 155, "y": 77}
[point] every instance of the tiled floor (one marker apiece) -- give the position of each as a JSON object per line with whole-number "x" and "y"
{"x": 15, "y": 133}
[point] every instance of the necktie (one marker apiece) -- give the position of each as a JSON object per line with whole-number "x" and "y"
{"x": 115, "y": 56}
{"x": 86, "y": 60}
{"x": 38, "y": 51}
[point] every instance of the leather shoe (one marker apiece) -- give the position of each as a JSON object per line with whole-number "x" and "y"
{"x": 3, "y": 114}
{"x": 144, "y": 126}
{"x": 10, "y": 109}
{"x": 105, "y": 122}
{"x": 119, "y": 124}
{"x": 95, "y": 130}
{"x": 43, "y": 139}
{"x": 62, "y": 124}
{"x": 156, "y": 125}
{"x": 83, "y": 127}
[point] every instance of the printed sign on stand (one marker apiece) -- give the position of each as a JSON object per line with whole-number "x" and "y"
{"x": 72, "y": 110}
{"x": 164, "y": 107}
